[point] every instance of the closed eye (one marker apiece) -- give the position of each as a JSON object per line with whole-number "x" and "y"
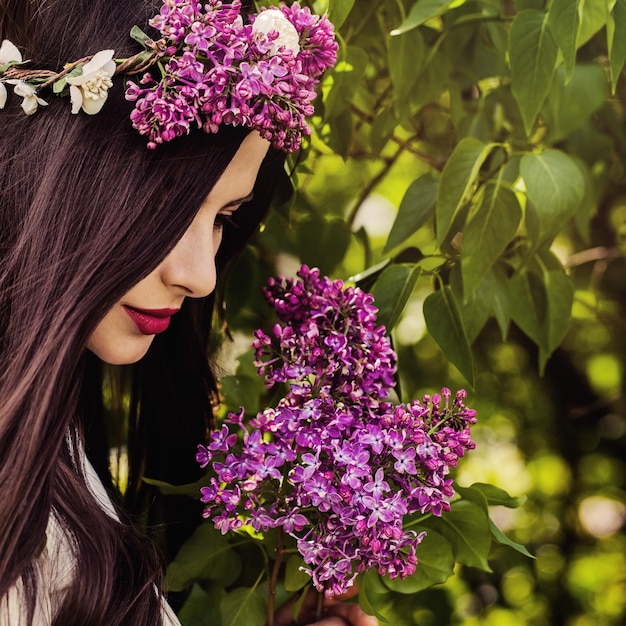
{"x": 225, "y": 219}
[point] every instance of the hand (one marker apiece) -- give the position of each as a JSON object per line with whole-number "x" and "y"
{"x": 335, "y": 613}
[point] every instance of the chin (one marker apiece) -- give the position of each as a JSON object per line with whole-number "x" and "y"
{"x": 125, "y": 354}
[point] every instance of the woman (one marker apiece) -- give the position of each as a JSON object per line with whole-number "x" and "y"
{"x": 109, "y": 253}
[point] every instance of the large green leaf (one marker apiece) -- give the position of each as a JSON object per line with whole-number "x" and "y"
{"x": 529, "y": 305}
{"x": 416, "y": 208}
{"x": 206, "y": 554}
{"x": 487, "y": 234}
{"x": 458, "y": 180}
{"x": 392, "y": 291}
{"x": 555, "y": 186}
{"x": 190, "y": 489}
{"x": 475, "y": 309}
{"x": 435, "y": 565}
{"x": 466, "y": 527}
{"x": 338, "y": 10}
{"x": 314, "y": 234}
{"x": 202, "y": 607}
{"x": 573, "y": 103}
{"x": 346, "y": 78}
{"x": 533, "y": 52}
{"x": 406, "y": 55}
{"x": 501, "y": 538}
{"x": 295, "y": 578}
{"x": 564, "y": 20}
{"x": 501, "y": 301}
{"x": 382, "y": 129}
{"x": 560, "y": 292}
{"x": 243, "y": 606}
{"x": 594, "y": 16}
{"x": 371, "y": 591}
{"x": 484, "y": 495}
{"x": 616, "y": 39}
{"x": 422, "y": 11}
{"x": 445, "y": 326}
{"x": 494, "y": 496}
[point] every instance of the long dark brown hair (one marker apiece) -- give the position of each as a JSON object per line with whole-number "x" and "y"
{"x": 86, "y": 211}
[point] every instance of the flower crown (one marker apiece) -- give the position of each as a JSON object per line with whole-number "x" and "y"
{"x": 210, "y": 69}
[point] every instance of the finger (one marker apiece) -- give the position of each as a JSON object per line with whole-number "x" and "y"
{"x": 331, "y": 621}
{"x": 353, "y": 614}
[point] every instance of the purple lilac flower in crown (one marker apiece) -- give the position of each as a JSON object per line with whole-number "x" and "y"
{"x": 212, "y": 69}
{"x": 218, "y": 70}
{"x": 336, "y": 464}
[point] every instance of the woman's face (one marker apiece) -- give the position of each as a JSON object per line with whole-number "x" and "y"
{"x": 127, "y": 330}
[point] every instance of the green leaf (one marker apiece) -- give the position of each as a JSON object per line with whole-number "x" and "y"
{"x": 242, "y": 390}
{"x": 572, "y": 104}
{"x": 370, "y": 589}
{"x": 594, "y": 16}
{"x": 392, "y": 291}
{"x": 201, "y": 607}
{"x": 346, "y": 78}
{"x": 564, "y": 20}
{"x": 416, "y": 208}
{"x": 435, "y": 565}
{"x": 446, "y": 328}
{"x": 405, "y": 55}
{"x": 314, "y": 233}
{"x": 190, "y": 489}
{"x": 484, "y": 495}
{"x": 501, "y": 538}
{"x": 432, "y": 80}
{"x": 493, "y": 495}
{"x": 366, "y": 279}
{"x": 616, "y": 40}
{"x": 529, "y": 305}
{"x": 555, "y": 186}
{"x": 338, "y": 11}
{"x": 295, "y": 578}
{"x": 243, "y": 606}
{"x": 466, "y": 527}
{"x": 139, "y": 36}
{"x": 206, "y": 554}
{"x": 501, "y": 305}
{"x": 487, "y": 234}
{"x": 475, "y": 310}
{"x": 341, "y": 130}
{"x": 457, "y": 181}
{"x": 382, "y": 129}
{"x": 533, "y": 52}
{"x": 422, "y": 11}
{"x": 59, "y": 85}
{"x": 560, "y": 292}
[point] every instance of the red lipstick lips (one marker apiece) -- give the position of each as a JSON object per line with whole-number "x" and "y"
{"x": 150, "y": 321}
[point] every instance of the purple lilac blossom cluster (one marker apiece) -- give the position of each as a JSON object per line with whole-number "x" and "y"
{"x": 335, "y": 464}
{"x": 217, "y": 70}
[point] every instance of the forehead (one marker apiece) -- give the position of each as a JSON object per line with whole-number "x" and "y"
{"x": 238, "y": 178}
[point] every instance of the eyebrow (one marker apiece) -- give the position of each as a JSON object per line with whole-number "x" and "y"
{"x": 239, "y": 200}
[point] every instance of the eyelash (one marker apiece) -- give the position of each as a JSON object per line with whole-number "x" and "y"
{"x": 225, "y": 219}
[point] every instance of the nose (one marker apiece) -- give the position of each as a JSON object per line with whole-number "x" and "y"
{"x": 190, "y": 267}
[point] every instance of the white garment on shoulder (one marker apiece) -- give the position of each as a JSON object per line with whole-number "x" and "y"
{"x": 55, "y": 569}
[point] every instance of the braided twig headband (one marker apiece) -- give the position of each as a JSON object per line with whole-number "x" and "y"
{"x": 212, "y": 69}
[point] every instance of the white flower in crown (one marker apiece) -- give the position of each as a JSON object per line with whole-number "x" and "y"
{"x": 29, "y": 93}
{"x": 89, "y": 91}
{"x": 274, "y": 19}
{"x": 8, "y": 54}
